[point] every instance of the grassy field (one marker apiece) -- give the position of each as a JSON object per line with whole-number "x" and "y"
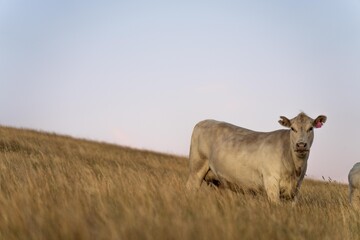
{"x": 58, "y": 187}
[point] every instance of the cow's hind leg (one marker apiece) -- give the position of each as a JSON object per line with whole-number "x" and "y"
{"x": 199, "y": 166}
{"x": 354, "y": 196}
{"x": 351, "y": 192}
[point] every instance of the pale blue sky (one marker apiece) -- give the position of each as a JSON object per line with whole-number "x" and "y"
{"x": 143, "y": 73}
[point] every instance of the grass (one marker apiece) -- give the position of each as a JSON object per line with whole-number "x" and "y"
{"x": 58, "y": 187}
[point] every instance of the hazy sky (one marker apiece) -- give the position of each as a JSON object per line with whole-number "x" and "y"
{"x": 143, "y": 73}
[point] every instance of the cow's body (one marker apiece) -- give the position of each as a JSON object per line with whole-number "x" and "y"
{"x": 249, "y": 160}
{"x": 354, "y": 185}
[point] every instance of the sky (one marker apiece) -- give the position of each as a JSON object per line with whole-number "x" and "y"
{"x": 143, "y": 73}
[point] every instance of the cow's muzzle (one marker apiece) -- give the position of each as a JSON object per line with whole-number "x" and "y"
{"x": 301, "y": 148}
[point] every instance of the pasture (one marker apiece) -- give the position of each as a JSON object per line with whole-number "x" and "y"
{"x": 58, "y": 187}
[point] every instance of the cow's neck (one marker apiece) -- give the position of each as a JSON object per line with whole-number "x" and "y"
{"x": 300, "y": 164}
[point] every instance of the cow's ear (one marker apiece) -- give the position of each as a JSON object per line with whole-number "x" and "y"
{"x": 319, "y": 121}
{"x": 284, "y": 121}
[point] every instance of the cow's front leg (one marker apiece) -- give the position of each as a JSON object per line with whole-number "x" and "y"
{"x": 288, "y": 189}
{"x": 272, "y": 189}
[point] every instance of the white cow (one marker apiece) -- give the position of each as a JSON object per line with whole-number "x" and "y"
{"x": 354, "y": 185}
{"x": 235, "y": 157}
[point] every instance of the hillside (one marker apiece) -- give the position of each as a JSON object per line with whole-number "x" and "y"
{"x": 58, "y": 187}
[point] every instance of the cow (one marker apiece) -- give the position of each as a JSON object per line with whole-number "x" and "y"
{"x": 354, "y": 185}
{"x": 238, "y": 158}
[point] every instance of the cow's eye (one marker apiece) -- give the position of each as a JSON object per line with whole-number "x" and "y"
{"x": 310, "y": 129}
{"x": 293, "y": 129}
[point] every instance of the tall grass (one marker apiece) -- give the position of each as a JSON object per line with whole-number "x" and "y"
{"x": 58, "y": 187}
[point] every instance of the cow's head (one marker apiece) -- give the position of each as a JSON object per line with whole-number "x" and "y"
{"x": 302, "y": 132}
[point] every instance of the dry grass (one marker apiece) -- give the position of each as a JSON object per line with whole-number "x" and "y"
{"x": 56, "y": 187}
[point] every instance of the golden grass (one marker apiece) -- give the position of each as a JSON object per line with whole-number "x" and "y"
{"x": 57, "y": 187}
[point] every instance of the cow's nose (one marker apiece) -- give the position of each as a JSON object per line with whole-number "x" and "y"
{"x": 301, "y": 145}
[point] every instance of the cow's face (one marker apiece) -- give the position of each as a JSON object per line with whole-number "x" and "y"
{"x": 302, "y": 132}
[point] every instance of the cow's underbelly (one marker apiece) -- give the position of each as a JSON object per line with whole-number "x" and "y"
{"x": 239, "y": 177}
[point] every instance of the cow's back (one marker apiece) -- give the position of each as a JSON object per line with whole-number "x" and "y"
{"x": 210, "y": 133}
